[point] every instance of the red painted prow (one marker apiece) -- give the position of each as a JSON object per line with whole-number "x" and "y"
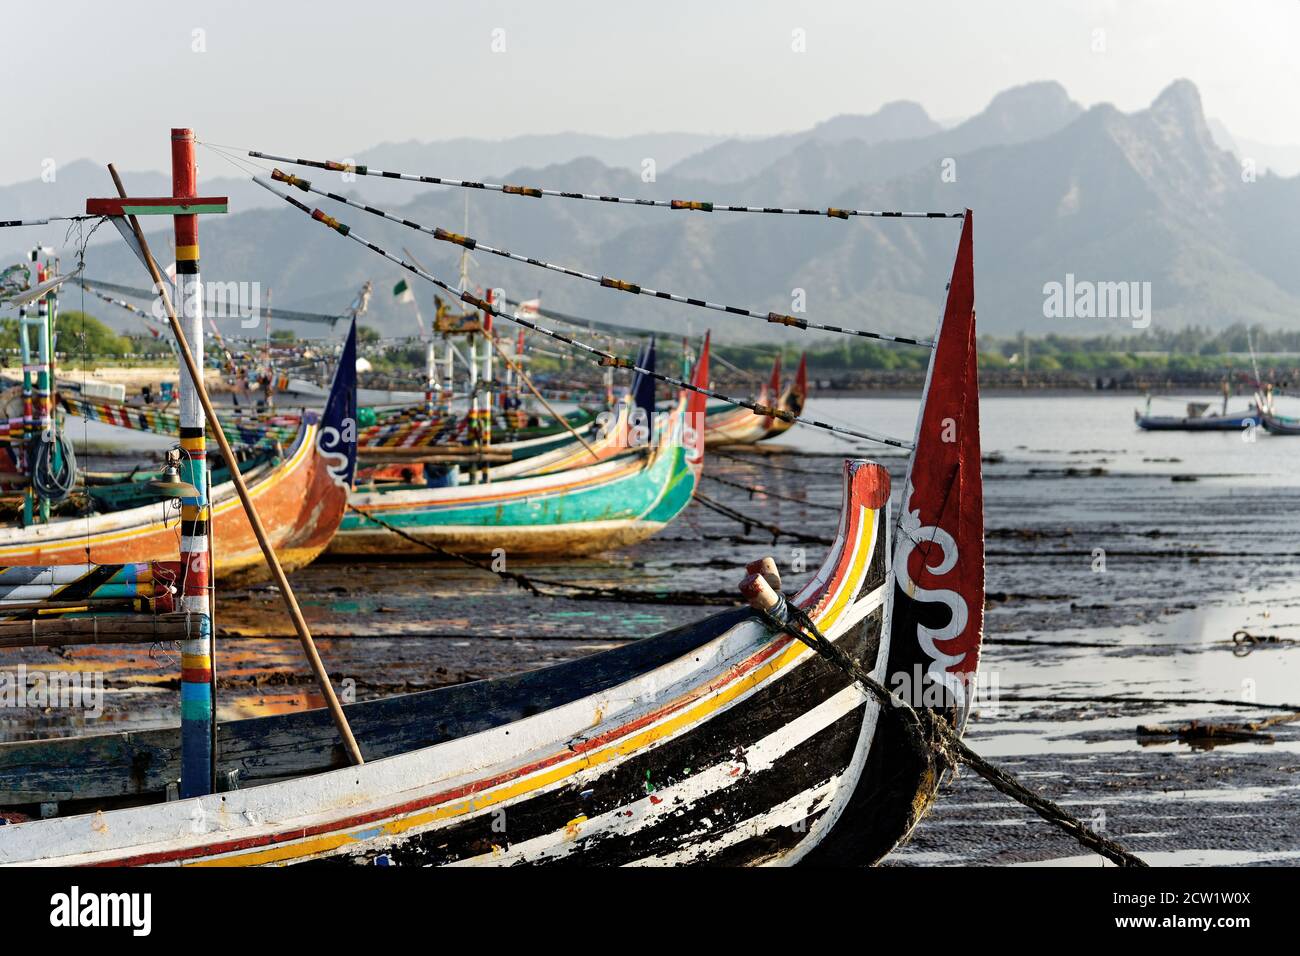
{"x": 774, "y": 385}
{"x": 939, "y": 560}
{"x": 696, "y": 404}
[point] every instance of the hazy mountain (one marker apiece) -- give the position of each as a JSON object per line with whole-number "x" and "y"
{"x": 1146, "y": 197}
{"x": 1142, "y": 197}
{"x": 464, "y": 158}
{"x": 1281, "y": 159}
{"x": 738, "y": 159}
{"x": 478, "y": 158}
{"x": 1018, "y": 115}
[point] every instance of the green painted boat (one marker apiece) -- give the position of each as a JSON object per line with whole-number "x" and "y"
{"x": 579, "y": 510}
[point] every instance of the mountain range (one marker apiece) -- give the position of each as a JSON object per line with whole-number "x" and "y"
{"x": 1058, "y": 191}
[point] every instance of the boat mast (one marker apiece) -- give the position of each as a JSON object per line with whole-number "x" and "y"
{"x": 196, "y": 766}
{"x": 475, "y": 403}
{"x": 196, "y": 651}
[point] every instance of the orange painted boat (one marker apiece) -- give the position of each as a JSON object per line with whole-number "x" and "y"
{"x": 792, "y": 399}
{"x": 737, "y": 425}
{"x": 301, "y": 496}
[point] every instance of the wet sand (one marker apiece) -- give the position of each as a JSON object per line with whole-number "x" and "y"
{"x": 1186, "y": 564}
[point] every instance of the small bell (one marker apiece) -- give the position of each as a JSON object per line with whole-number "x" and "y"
{"x": 169, "y": 483}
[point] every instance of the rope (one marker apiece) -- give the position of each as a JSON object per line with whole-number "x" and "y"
{"x": 469, "y": 242}
{"x": 934, "y": 739}
{"x": 602, "y": 357}
{"x": 12, "y": 223}
{"x": 1243, "y": 642}
{"x": 776, "y": 531}
{"x": 753, "y": 459}
{"x": 771, "y": 494}
{"x": 50, "y": 483}
{"x": 320, "y": 318}
{"x": 1122, "y": 699}
{"x": 537, "y": 193}
{"x": 534, "y": 585}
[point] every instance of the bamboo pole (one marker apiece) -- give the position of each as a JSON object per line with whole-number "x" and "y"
{"x": 277, "y": 571}
{"x": 118, "y": 629}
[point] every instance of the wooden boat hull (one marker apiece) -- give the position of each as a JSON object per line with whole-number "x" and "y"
{"x": 1207, "y": 423}
{"x": 301, "y": 499}
{"x": 734, "y": 425}
{"x": 402, "y": 428}
{"x": 719, "y": 743}
{"x": 1281, "y": 425}
{"x": 722, "y": 742}
{"x": 299, "y": 502}
{"x": 579, "y": 511}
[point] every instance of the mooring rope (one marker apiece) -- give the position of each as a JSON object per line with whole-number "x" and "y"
{"x": 534, "y": 585}
{"x": 935, "y": 740}
{"x": 603, "y": 358}
{"x": 772, "y": 494}
{"x": 537, "y": 193}
{"x": 776, "y": 531}
{"x": 1122, "y": 699}
{"x": 635, "y": 288}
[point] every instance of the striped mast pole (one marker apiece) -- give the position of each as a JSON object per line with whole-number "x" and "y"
{"x": 24, "y": 342}
{"x": 38, "y": 377}
{"x": 124, "y": 211}
{"x": 48, "y": 312}
{"x": 430, "y": 376}
{"x": 488, "y": 411}
{"x": 196, "y": 651}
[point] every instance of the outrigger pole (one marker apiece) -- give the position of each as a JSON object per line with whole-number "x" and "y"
{"x": 184, "y": 208}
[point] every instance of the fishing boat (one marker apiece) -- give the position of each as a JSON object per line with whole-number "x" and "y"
{"x": 301, "y": 489}
{"x": 726, "y": 741}
{"x": 1199, "y": 418}
{"x": 736, "y": 425}
{"x": 1276, "y": 424}
{"x": 791, "y": 400}
{"x": 559, "y": 507}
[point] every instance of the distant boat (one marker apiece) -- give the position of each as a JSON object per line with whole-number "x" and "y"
{"x": 727, "y": 424}
{"x": 1197, "y": 419}
{"x": 1281, "y": 424}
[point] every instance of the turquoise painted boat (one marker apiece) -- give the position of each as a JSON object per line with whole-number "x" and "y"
{"x": 579, "y": 510}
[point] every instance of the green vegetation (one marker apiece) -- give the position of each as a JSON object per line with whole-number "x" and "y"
{"x": 81, "y": 334}
{"x": 1187, "y": 350}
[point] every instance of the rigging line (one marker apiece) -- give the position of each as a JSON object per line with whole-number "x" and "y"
{"x": 537, "y": 193}
{"x": 607, "y": 359}
{"x": 13, "y": 223}
{"x": 934, "y": 739}
{"x": 469, "y": 242}
{"x": 530, "y": 584}
{"x": 613, "y": 331}
{"x": 776, "y": 531}
{"x": 752, "y": 490}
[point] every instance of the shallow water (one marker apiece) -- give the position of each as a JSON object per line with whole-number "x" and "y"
{"x": 1091, "y": 542}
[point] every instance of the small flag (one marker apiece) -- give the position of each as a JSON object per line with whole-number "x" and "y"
{"x": 402, "y": 292}
{"x": 528, "y": 309}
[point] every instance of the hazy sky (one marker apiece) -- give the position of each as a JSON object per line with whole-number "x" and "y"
{"x": 105, "y": 80}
